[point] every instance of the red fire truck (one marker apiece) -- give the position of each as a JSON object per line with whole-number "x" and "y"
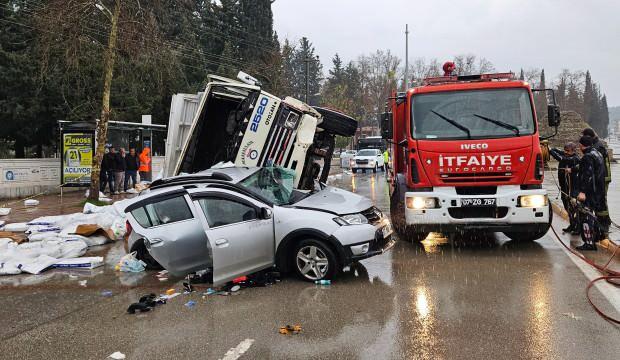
{"x": 466, "y": 156}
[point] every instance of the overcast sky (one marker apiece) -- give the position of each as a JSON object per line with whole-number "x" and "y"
{"x": 512, "y": 34}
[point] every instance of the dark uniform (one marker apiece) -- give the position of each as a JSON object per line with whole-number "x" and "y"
{"x": 592, "y": 184}
{"x": 603, "y": 214}
{"x": 568, "y": 182}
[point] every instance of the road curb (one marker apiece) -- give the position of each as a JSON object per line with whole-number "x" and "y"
{"x": 607, "y": 244}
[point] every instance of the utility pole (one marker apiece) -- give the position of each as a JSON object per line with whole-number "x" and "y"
{"x": 406, "y": 57}
{"x": 307, "y": 61}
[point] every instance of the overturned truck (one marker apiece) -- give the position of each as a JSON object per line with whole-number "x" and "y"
{"x": 236, "y": 121}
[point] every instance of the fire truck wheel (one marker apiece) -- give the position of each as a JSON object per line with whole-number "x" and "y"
{"x": 525, "y": 236}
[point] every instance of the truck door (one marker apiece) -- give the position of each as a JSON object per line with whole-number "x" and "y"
{"x": 239, "y": 231}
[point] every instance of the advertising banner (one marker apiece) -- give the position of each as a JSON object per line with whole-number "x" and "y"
{"x": 77, "y": 158}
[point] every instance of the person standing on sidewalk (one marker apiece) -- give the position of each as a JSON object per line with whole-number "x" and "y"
{"x": 119, "y": 171}
{"x": 145, "y": 164}
{"x": 386, "y": 160}
{"x": 603, "y": 214}
{"x": 591, "y": 193}
{"x": 131, "y": 169}
{"x": 108, "y": 164}
{"x": 567, "y": 177}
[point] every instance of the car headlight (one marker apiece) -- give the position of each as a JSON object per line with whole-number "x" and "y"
{"x": 420, "y": 202}
{"x": 351, "y": 219}
{"x": 533, "y": 201}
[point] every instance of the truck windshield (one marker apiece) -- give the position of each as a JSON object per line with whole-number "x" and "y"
{"x": 483, "y": 113}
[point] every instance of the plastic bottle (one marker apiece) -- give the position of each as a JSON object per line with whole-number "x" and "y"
{"x": 323, "y": 282}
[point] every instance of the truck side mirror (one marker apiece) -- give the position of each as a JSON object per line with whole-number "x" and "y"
{"x": 553, "y": 115}
{"x": 386, "y": 125}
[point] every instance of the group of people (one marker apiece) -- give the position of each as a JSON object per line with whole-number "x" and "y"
{"x": 583, "y": 184}
{"x": 119, "y": 168}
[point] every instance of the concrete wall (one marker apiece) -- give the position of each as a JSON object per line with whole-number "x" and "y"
{"x": 24, "y": 177}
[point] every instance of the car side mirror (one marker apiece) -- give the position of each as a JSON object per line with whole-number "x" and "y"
{"x": 386, "y": 125}
{"x": 266, "y": 213}
{"x": 553, "y": 115}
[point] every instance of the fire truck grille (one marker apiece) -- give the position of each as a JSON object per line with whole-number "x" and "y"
{"x": 478, "y": 212}
{"x": 476, "y": 177}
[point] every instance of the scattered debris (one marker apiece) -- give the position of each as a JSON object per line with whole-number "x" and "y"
{"x": 163, "y": 279}
{"x": 129, "y": 263}
{"x": 290, "y": 329}
{"x": 572, "y": 316}
{"x": 31, "y": 202}
{"x": 170, "y": 292}
{"x": 146, "y": 303}
{"x": 117, "y": 355}
{"x": 235, "y": 288}
{"x": 106, "y": 293}
{"x": 83, "y": 283}
{"x": 323, "y": 282}
{"x": 5, "y": 211}
{"x": 190, "y": 304}
{"x": 188, "y": 287}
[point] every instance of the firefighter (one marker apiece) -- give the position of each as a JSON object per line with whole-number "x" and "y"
{"x": 567, "y": 177}
{"x": 145, "y": 164}
{"x": 603, "y": 214}
{"x": 591, "y": 193}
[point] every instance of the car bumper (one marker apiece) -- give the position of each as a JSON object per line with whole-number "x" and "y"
{"x": 379, "y": 239}
{"x": 506, "y": 215}
{"x": 364, "y": 166}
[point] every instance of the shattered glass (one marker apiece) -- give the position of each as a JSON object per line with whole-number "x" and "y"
{"x": 272, "y": 183}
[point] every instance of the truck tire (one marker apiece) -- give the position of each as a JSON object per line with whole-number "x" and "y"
{"x": 322, "y": 258}
{"x": 336, "y": 122}
{"x": 531, "y": 236}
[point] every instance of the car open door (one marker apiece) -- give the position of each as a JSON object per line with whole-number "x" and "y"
{"x": 173, "y": 232}
{"x": 240, "y": 233}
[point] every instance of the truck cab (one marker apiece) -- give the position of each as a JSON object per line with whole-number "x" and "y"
{"x": 467, "y": 156}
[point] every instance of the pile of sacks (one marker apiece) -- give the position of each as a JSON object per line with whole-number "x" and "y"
{"x": 56, "y": 241}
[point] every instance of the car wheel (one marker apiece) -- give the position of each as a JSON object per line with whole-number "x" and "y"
{"x": 375, "y": 169}
{"x": 354, "y": 170}
{"x": 143, "y": 254}
{"x": 314, "y": 260}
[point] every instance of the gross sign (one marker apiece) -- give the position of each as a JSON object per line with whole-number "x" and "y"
{"x": 77, "y": 158}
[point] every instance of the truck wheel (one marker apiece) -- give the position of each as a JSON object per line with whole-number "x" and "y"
{"x": 531, "y": 236}
{"x": 313, "y": 260}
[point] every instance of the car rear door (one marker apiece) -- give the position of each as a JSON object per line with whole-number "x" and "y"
{"x": 173, "y": 232}
{"x": 239, "y": 231}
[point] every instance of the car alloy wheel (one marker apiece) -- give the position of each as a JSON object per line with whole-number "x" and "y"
{"x": 312, "y": 262}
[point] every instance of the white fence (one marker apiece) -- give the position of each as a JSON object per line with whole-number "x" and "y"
{"x": 24, "y": 177}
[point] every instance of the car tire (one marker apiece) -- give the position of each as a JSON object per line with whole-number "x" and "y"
{"x": 307, "y": 266}
{"x": 354, "y": 170}
{"x": 375, "y": 169}
{"x": 143, "y": 254}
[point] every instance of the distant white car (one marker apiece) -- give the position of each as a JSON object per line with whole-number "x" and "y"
{"x": 345, "y": 158}
{"x": 367, "y": 159}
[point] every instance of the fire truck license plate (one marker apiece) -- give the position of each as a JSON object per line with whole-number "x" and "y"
{"x": 478, "y": 202}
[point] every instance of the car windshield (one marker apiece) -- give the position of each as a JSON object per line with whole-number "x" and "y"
{"x": 367, "y": 153}
{"x": 472, "y": 114}
{"x": 272, "y": 183}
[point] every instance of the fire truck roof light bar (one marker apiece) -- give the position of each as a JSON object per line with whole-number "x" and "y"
{"x": 466, "y": 78}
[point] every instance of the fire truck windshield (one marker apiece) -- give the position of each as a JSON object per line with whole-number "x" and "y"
{"x": 479, "y": 114}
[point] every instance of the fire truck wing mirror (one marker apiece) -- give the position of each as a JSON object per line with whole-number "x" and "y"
{"x": 553, "y": 115}
{"x": 386, "y": 125}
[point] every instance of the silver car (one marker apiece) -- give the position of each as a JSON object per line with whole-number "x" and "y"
{"x": 236, "y": 221}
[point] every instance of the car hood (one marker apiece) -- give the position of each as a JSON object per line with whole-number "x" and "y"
{"x": 335, "y": 201}
{"x": 370, "y": 157}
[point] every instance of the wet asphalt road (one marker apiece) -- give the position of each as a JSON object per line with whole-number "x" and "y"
{"x": 476, "y": 297}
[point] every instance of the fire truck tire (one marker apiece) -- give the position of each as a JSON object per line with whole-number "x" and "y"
{"x": 531, "y": 236}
